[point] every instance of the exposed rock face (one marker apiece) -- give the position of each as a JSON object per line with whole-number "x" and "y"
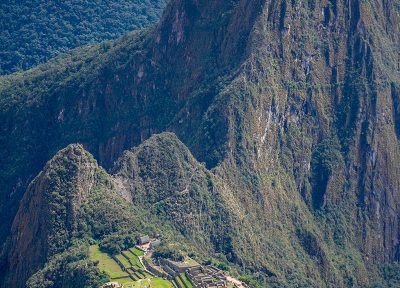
{"x": 48, "y": 213}
{"x": 293, "y": 104}
{"x": 113, "y": 105}
{"x": 72, "y": 199}
{"x": 328, "y": 70}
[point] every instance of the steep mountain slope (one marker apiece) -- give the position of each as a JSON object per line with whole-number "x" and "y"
{"x": 162, "y": 176}
{"x": 33, "y": 31}
{"x": 71, "y": 198}
{"x": 292, "y": 105}
{"x": 110, "y": 98}
{"x": 73, "y": 201}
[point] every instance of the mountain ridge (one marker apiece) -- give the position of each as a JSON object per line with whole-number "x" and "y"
{"x": 296, "y": 113}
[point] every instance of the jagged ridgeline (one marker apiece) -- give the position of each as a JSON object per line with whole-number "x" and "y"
{"x": 292, "y": 107}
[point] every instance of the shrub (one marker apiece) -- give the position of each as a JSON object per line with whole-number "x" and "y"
{"x": 69, "y": 269}
{"x": 115, "y": 243}
{"x": 224, "y": 266}
{"x": 168, "y": 252}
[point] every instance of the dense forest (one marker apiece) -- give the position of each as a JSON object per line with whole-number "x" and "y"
{"x": 34, "y": 31}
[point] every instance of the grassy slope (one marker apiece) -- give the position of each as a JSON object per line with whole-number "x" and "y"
{"x": 106, "y": 263}
{"x": 111, "y": 267}
{"x": 132, "y": 257}
{"x": 160, "y": 283}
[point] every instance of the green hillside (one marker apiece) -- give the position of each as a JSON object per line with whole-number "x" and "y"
{"x": 34, "y": 31}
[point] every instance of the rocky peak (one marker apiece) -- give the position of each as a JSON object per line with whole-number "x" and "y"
{"x": 48, "y": 213}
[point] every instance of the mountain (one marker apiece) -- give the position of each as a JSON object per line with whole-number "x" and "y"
{"x": 73, "y": 200}
{"x": 291, "y": 106}
{"x": 163, "y": 177}
{"x": 33, "y": 31}
{"x": 72, "y": 197}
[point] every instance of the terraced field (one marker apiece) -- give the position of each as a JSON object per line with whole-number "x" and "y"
{"x": 182, "y": 281}
{"x": 126, "y": 269}
{"x": 136, "y": 251}
{"x": 185, "y": 280}
{"x": 134, "y": 259}
{"x": 124, "y": 261}
{"x": 149, "y": 283}
{"x": 106, "y": 263}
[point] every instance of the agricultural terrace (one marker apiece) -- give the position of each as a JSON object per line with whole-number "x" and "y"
{"x": 127, "y": 269}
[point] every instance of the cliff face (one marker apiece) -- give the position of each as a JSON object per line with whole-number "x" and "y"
{"x": 114, "y": 96}
{"x": 318, "y": 100}
{"x": 71, "y": 199}
{"x": 293, "y": 106}
{"x": 327, "y": 77}
{"x": 47, "y": 217}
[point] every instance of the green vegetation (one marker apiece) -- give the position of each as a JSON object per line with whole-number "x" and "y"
{"x": 179, "y": 282}
{"x": 182, "y": 187}
{"x": 223, "y": 266}
{"x": 103, "y": 217}
{"x": 70, "y": 269}
{"x": 136, "y": 251}
{"x": 252, "y": 281}
{"x": 106, "y": 263}
{"x": 149, "y": 283}
{"x": 133, "y": 258}
{"x": 116, "y": 273}
{"x": 185, "y": 280}
{"x": 160, "y": 283}
{"x": 123, "y": 260}
{"x": 390, "y": 276}
{"x": 168, "y": 252}
{"x": 34, "y": 31}
{"x": 326, "y": 158}
{"x": 262, "y": 116}
{"x": 115, "y": 243}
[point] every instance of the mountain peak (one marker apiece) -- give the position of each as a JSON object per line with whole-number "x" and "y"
{"x": 48, "y": 212}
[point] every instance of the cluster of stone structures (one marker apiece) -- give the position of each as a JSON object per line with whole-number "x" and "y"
{"x": 112, "y": 285}
{"x": 206, "y": 277}
{"x": 146, "y": 243}
{"x": 200, "y": 276}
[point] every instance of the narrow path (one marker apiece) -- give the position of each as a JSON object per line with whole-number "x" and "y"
{"x": 141, "y": 260}
{"x": 186, "y": 190}
{"x": 235, "y": 281}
